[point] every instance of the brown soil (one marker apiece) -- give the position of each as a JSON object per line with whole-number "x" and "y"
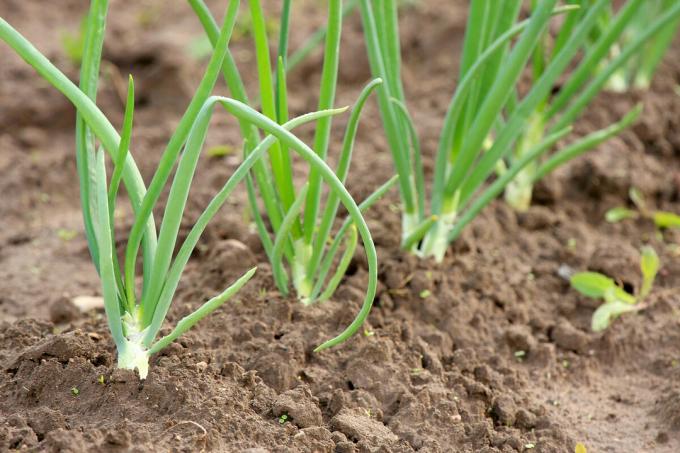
{"x": 438, "y": 367}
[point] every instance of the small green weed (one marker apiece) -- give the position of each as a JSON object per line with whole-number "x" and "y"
{"x": 617, "y": 301}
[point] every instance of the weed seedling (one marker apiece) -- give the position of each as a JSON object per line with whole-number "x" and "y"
{"x": 73, "y": 43}
{"x": 66, "y": 235}
{"x": 617, "y": 301}
{"x": 662, "y": 219}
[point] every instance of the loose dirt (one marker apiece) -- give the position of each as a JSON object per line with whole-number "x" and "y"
{"x": 488, "y": 352}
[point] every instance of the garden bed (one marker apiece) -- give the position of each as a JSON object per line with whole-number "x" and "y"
{"x": 488, "y": 351}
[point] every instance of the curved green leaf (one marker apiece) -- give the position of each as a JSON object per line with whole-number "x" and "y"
{"x": 663, "y": 219}
{"x": 607, "y": 312}
{"x": 649, "y": 265}
{"x": 620, "y": 213}
{"x": 592, "y": 284}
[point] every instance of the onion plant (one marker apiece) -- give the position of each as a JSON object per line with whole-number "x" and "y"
{"x": 639, "y": 70}
{"x": 136, "y": 313}
{"x": 554, "y": 112}
{"x": 299, "y": 226}
{"x": 486, "y": 120}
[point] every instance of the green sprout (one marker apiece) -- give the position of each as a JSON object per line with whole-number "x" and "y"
{"x": 617, "y": 301}
{"x": 136, "y": 315}
{"x": 571, "y": 243}
{"x": 488, "y": 129}
{"x": 297, "y": 238}
{"x": 73, "y": 43}
{"x": 220, "y": 151}
{"x": 66, "y": 235}
{"x": 662, "y": 219}
{"x": 149, "y": 15}
{"x": 283, "y": 418}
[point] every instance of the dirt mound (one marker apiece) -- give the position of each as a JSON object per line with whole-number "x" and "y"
{"x": 488, "y": 352}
